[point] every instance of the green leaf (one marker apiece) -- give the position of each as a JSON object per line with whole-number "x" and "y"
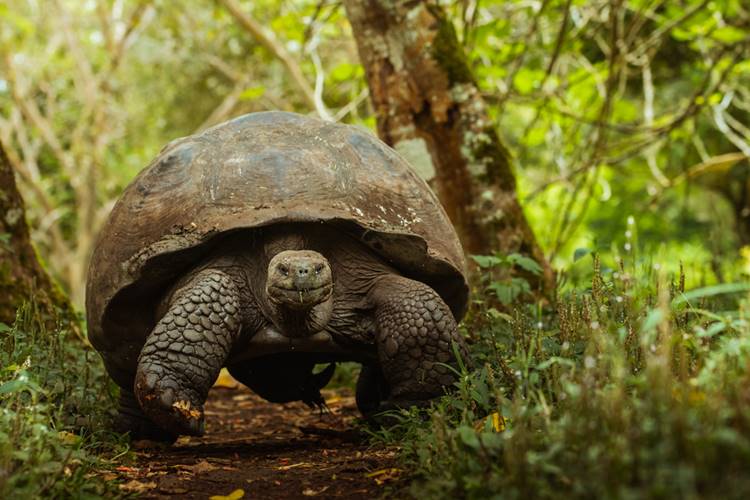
{"x": 487, "y": 261}
{"x": 468, "y": 437}
{"x": 710, "y": 291}
{"x": 252, "y": 93}
{"x": 504, "y": 292}
{"x": 525, "y": 263}
{"x": 12, "y": 386}
{"x": 4, "y": 328}
{"x": 580, "y": 253}
{"x": 729, "y": 34}
{"x": 654, "y": 317}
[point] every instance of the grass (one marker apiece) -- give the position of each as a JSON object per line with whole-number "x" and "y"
{"x": 53, "y": 414}
{"x": 628, "y": 388}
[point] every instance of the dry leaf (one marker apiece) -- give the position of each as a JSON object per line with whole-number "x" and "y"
{"x": 385, "y": 475}
{"x": 235, "y": 495}
{"x": 68, "y": 437}
{"x": 292, "y": 466}
{"x": 201, "y": 467}
{"x": 497, "y": 422}
{"x": 185, "y": 408}
{"x": 135, "y": 486}
{"x": 123, "y": 468}
{"x": 309, "y": 492}
{"x": 226, "y": 380}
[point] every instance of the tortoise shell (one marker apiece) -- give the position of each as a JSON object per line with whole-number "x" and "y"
{"x": 256, "y": 170}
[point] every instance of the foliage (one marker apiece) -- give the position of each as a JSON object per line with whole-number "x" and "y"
{"x": 655, "y": 128}
{"x": 53, "y": 412}
{"x": 498, "y": 278}
{"x": 629, "y": 388}
{"x": 621, "y": 109}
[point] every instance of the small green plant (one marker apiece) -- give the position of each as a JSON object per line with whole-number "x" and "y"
{"x": 498, "y": 277}
{"x": 53, "y": 414}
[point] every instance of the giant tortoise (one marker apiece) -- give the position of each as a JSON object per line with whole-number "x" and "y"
{"x": 270, "y": 244}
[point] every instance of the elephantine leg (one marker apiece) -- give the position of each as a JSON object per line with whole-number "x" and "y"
{"x": 372, "y": 389}
{"x": 184, "y": 353}
{"x": 416, "y": 332}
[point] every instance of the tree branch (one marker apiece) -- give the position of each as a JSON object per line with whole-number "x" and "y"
{"x": 267, "y": 40}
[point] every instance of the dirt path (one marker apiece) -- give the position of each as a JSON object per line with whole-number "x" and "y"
{"x": 267, "y": 451}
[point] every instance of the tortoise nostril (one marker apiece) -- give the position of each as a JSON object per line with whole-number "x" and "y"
{"x": 303, "y": 271}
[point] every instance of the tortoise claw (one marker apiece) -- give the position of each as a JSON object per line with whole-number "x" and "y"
{"x": 169, "y": 406}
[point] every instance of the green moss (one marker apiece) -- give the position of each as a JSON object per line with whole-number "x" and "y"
{"x": 447, "y": 52}
{"x": 487, "y": 149}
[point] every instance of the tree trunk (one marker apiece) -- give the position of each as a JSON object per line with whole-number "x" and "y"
{"x": 429, "y": 108}
{"x": 21, "y": 274}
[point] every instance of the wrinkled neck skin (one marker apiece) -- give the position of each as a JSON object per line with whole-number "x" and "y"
{"x": 295, "y": 323}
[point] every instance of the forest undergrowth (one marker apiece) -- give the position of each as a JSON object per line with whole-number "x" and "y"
{"x": 56, "y": 405}
{"x": 628, "y": 386}
{"x": 631, "y": 387}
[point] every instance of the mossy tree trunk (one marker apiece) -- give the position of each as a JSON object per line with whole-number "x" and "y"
{"x": 429, "y": 108}
{"x": 21, "y": 274}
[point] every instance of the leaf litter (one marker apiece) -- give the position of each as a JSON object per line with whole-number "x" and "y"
{"x": 255, "y": 449}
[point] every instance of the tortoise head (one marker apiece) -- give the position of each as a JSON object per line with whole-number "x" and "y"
{"x": 299, "y": 279}
{"x": 300, "y": 284}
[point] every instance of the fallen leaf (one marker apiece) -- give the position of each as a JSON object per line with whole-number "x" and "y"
{"x": 198, "y": 468}
{"x": 173, "y": 491}
{"x": 235, "y": 495}
{"x": 68, "y": 437}
{"x": 498, "y": 422}
{"x": 123, "y": 468}
{"x": 292, "y": 466}
{"x": 309, "y": 492}
{"x": 135, "y": 486}
{"x": 226, "y": 380}
{"x": 384, "y": 475}
{"x": 185, "y": 408}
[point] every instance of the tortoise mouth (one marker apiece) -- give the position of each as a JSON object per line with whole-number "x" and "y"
{"x": 300, "y": 298}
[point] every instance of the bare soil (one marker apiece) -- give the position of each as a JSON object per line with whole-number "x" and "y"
{"x": 267, "y": 450}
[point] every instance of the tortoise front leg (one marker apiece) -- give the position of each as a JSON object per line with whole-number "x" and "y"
{"x": 415, "y": 336}
{"x": 184, "y": 353}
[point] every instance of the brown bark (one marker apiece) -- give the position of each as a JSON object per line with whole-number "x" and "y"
{"x": 22, "y": 277}
{"x": 429, "y": 108}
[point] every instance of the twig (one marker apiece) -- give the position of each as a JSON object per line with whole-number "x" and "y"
{"x": 267, "y": 40}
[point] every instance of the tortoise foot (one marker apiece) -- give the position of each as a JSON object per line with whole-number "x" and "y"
{"x": 166, "y": 401}
{"x": 132, "y": 421}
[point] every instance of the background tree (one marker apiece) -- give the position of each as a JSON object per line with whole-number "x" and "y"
{"x": 22, "y": 277}
{"x": 428, "y": 107}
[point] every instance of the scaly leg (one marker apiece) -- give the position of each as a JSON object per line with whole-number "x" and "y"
{"x": 184, "y": 353}
{"x": 416, "y": 332}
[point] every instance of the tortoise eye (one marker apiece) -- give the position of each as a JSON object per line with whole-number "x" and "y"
{"x": 319, "y": 269}
{"x": 283, "y": 269}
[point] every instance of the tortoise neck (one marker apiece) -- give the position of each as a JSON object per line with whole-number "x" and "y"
{"x": 296, "y": 323}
